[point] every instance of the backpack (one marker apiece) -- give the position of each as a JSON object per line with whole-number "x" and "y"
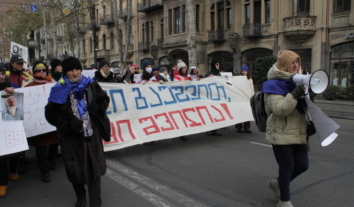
{"x": 258, "y": 110}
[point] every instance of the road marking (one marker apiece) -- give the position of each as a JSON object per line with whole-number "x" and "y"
{"x": 344, "y": 133}
{"x": 154, "y": 199}
{"x": 154, "y": 185}
{"x": 264, "y": 145}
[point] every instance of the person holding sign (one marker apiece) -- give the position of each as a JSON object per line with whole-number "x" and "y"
{"x": 104, "y": 74}
{"x": 182, "y": 73}
{"x": 246, "y": 125}
{"x": 16, "y": 74}
{"x": 46, "y": 145}
{"x": 286, "y": 124}
{"x": 77, "y": 108}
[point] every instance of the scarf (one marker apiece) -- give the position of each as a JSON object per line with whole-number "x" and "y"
{"x": 103, "y": 74}
{"x": 283, "y": 87}
{"x": 55, "y": 75}
{"x": 40, "y": 80}
{"x": 60, "y": 92}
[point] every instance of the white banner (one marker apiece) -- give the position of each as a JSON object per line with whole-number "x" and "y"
{"x": 143, "y": 113}
{"x": 17, "y": 49}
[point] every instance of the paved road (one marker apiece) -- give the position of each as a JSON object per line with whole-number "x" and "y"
{"x": 231, "y": 170}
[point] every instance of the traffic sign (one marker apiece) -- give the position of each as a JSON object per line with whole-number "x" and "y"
{"x": 34, "y": 8}
{"x": 66, "y": 11}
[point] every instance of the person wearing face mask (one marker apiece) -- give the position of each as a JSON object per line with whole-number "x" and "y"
{"x": 56, "y": 69}
{"x": 46, "y": 145}
{"x": 286, "y": 124}
{"x": 146, "y": 74}
{"x": 104, "y": 74}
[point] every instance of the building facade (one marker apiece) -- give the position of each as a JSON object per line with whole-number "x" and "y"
{"x": 235, "y": 32}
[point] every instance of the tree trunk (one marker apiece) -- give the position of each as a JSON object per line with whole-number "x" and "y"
{"x": 127, "y": 32}
{"x": 116, "y": 23}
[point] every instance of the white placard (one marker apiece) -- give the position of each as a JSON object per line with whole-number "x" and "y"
{"x": 17, "y": 49}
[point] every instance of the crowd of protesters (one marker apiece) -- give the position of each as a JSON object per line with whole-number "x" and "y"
{"x": 77, "y": 108}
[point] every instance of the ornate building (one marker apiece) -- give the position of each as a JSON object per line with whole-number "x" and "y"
{"x": 235, "y": 32}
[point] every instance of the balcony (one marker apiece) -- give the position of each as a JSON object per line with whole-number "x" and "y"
{"x": 103, "y": 53}
{"x": 147, "y": 6}
{"x": 107, "y": 20}
{"x": 93, "y": 26}
{"x": 216, "y": 36}
{"x": 123, "y": 14}
{"x": 143, "y": 46}
{"x": 160, "y": 42}
{"x": 130, "y": 48}
{"x": 82, "y": 30}
{"x": 252, "y": 30}
{"x": 299, "y": 28}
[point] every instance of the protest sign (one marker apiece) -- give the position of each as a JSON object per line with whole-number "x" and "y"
{"x": 17, "y": 49}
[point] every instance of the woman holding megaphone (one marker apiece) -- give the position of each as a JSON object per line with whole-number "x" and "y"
{"x": 286, "y": 124}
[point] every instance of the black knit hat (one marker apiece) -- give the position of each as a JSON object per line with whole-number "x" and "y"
{"x": 71, "y": 63}
{"x": 54, "y": 63}
{"x": 101, "y": 64}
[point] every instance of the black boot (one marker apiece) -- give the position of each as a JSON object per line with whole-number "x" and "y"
{"x": 53, "y": 165}
{"x": 81, "y": 202}
{"x": 46, "y": 177}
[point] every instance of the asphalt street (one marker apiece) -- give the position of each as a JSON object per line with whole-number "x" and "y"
{"x": 228, "y": 170}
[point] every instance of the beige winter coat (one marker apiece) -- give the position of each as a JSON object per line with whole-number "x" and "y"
{"x": 285, "y": 125}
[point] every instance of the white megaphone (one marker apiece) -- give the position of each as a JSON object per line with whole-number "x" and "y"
{"x": 317, "y": 81}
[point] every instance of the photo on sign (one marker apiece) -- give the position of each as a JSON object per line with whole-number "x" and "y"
{"x": 12, "y": 107}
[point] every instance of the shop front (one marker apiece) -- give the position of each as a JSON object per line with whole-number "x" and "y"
{"x": 342, "y": 64}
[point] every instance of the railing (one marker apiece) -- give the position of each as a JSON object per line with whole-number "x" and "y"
{"x": 107, "y": 20}
{"x": 216, "y": 36}
{"x": 299, "y": 23}
{"x": 93, "y": 26}
{"x": 252, "y": 30}
{"x": 150, "y": 5}
{"x": 82, "y": 30}
{"x": 123, "y": 14}
{"x": 160, "y": 42}
{"x": 130, "y": 48}
{"x": 101, "y": 53}
{"x": 143, "y": 46}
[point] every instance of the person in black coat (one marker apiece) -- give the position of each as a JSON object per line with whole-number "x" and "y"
{"x": 104, "y": 73}
{"x": 215, "y": 69}
{"x": 71, "y": 111}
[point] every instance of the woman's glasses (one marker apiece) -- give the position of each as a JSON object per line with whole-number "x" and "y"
{"x": 41, "y": 70}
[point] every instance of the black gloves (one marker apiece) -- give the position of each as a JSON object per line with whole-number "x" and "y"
{"x": 298, "y": 92}
{"x": 76, "y": 125}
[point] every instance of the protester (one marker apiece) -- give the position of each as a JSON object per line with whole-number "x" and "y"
{"x": 146, "y": 74}
{"x": 164, "y": 74}
{"x": 156, "y": 77}
{"x": 75, "y": 106}
{"x": 172, "y": 72}
{"x": 56, "y": 69}
{"x": 16, "y": 73}
{"x": 135, "y": 73}
{"x": 7, "y": 162}
{"x": 286, "y": 124}
{"x": 215, "y": 70}
{"x": 246, "y": 125}
{"x": 46, "y": 145}
{"x": 182, "y": 73}
{"x": 104, "y": 73}
{"x": 128, "y": 72}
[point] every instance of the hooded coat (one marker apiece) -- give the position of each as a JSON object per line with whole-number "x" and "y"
{"x": 84, "y": 159}
{"x": 99, "y": 77}
{"x": 213, "y": 70}
{"x": 285, "y": 124}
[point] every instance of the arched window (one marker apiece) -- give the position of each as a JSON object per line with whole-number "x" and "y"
{"x": 112, "y": 41}
{"x": 161, "y": 28}
{"x": 104, "y": 41}
{"x": 152, "y": 31}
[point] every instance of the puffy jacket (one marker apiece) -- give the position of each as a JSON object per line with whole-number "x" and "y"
{"x": 285, "y": 124}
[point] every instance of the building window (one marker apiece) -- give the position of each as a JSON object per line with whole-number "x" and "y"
{"x": 112, "y": 41}
{"x": 301, "y": 7}
{"x": 247, "y": 14}
{"x": 177, "y": 20}
{"x": 161, "y": 28}
{"x": 91, "y": 46}
{"x": 342, "y": 65}
{"x": 170, "y": 21}
{"x": 197, "y": 10}
{"x": 267, "y": 11}
{"x": 221, "y": 14}
{"x": 341, "y": 5}
{"x": 83, "y": 46}
{"x": 257, "y": 11}
{"x": 183, "y": 18}
{"x": 152, "y": 31}
{"x": 104, "y": 42}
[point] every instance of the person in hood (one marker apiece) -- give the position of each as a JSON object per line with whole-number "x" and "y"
{"x": 56, "y": 69}
{"x": 46, "y": 145}
{"x": 215, "y": 69}
{"x": 146, "y": 75}
{"x": 104, "y": 73}
{"x": 286, "y": 123}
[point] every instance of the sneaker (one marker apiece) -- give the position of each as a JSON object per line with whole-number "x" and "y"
{"x": 216, "y": 133}
{"x": 3, "y": 191}
{"x": 46, "y": 177}
{"x": 14, "y": 176}
{"x": 284, "y": 204}
{"x": 247, "y": 131}
{"x": 239, "y": 131}
{"x": 53, "y": 165}
{"x": 274, "y": 186}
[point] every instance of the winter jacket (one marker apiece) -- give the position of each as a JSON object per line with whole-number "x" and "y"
{"x": 285, "y": 124}
{"x": 84, "y": 159}
{"x": 18, "y": 77}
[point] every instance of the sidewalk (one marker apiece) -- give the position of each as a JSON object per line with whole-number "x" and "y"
{"x": 337, "y": 109}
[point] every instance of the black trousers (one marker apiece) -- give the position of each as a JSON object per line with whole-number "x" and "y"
{"x": 46, "y": 153}
{"x": 292, "y": 161}
{"x": 94, "y": 189}
{"x": 8, "y": 162}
